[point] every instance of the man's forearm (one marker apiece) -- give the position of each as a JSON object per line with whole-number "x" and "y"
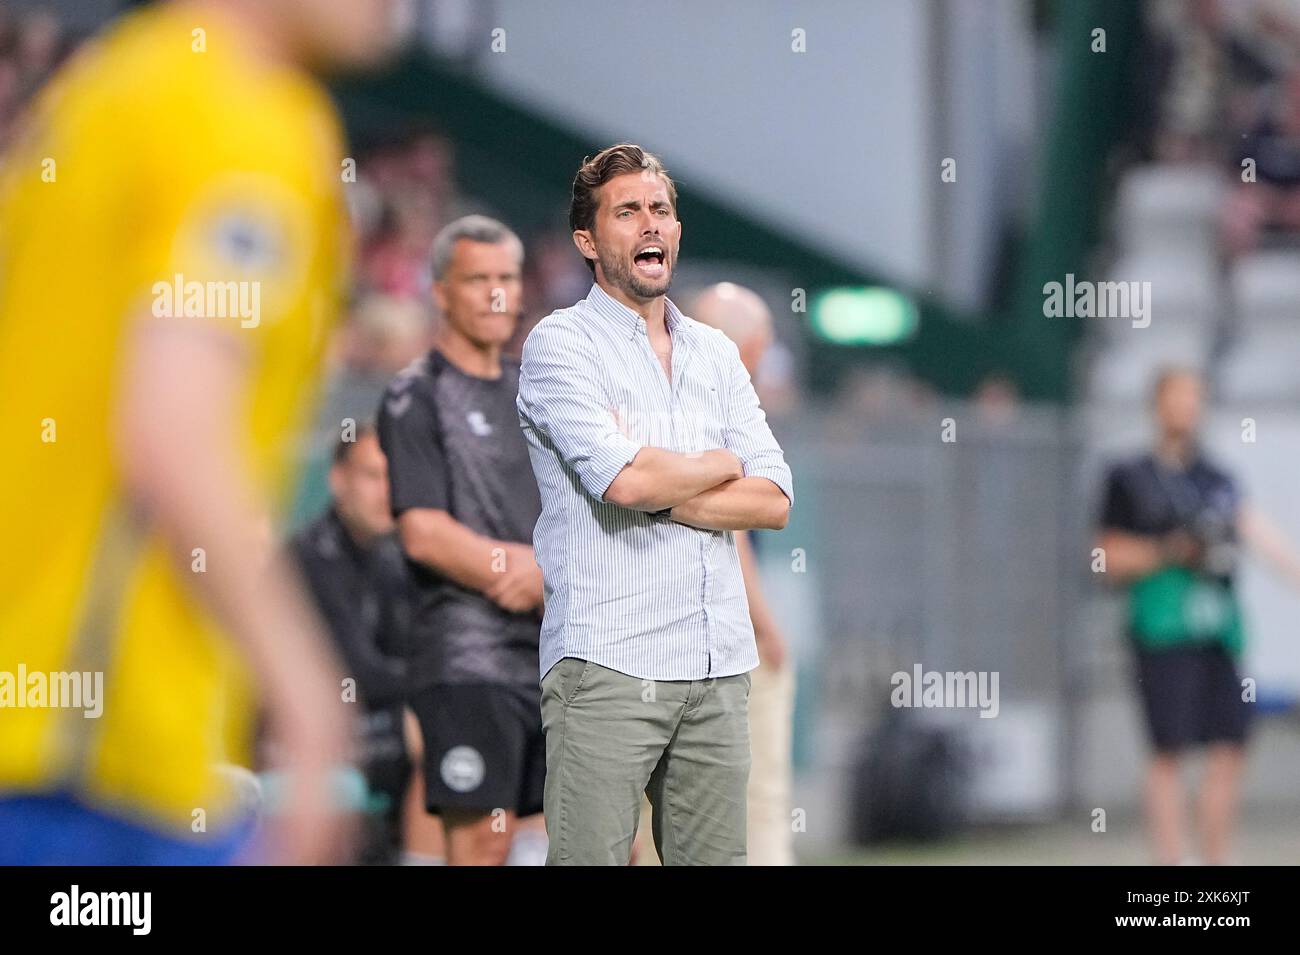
{"x": 658, "y": 479}
{"x": 1263, "y": 537}
{"x": 1129, "y": 556}
{"x": 180, "y": 454}
{"x": 746, "y": 503}
{"x": 440, "y": 542}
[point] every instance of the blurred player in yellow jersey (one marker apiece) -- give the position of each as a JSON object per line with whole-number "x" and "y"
{"x": 172, "y": 240}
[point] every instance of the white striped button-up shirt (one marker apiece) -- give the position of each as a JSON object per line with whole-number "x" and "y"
{"x": 635, "y": 592}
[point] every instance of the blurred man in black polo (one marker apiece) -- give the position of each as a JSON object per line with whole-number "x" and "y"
{"x": 1171, "y": 524}
{"x": 355, "y": 570}
{"x": 466, "y": 502}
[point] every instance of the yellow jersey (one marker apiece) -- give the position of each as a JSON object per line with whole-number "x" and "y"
{"x": 165, "y": 171}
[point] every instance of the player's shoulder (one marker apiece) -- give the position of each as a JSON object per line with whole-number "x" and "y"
{"x": 414, "y": 387}
{"x": 147, "y": 57}
{"x": 317, "y": 540}
{"x": 419, "y": 377}
{"x": 572, "y": 318}
{"x": 563, "y": 329}
{"x": 190, "y": 84}
{"x": 1124, "y": 469}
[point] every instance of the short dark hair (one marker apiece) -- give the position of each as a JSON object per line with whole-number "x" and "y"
{"x": 599, "y": 169}
{"x": 343, "y": 447}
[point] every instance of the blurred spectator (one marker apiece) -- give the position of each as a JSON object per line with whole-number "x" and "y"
{"x": 405, "y": 196}
{"x": 385, "y": 335}
{"x": 382, "y": 336}
{"x": 1204, "y": 65}
{"x": 1186, "y": 61}
{"x": 774, "y": 379}
{"x": 1171, "y": 530}
{"x": 398, "y": 262}
{"x": 997, "y": 400}
{"x": 39, "y": 47}
{"x": 30, "y": 49}
{"x": 880, "y": 394}
{"x": 1272, "y": 202}
{"x": 466, "y": 504}
{"x": 354, "y": 568}
{"x": 560, "y": 277}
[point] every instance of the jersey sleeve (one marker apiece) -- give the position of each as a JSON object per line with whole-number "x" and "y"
{"x": 411, "y": 437}
{"x": 223, "y": 212}
{"x": 1116, "y": 503}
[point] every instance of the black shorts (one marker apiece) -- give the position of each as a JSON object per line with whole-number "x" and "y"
{"x": 483, "y": 747}
{"x": 1192, "y": 696}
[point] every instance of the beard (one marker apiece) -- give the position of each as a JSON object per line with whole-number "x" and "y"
{"x": 622, "y": 275}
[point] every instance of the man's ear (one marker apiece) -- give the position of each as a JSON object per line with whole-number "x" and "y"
{"x": 586, "y": 244}
{"x": 440, "y": 296}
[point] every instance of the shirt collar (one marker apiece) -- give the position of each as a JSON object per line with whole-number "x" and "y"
{"x": 628, "y": 320}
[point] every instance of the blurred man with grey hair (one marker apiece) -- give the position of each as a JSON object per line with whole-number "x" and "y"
{"x": 465, "y": 500}
{"x": 743, "y": 317}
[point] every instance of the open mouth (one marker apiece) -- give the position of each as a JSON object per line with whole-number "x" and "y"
{"x": 650, "y": 261}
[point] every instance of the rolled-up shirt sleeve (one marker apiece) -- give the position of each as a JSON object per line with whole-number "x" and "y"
{"x": 562, "y": 400}
{"x": 748, "y": 436}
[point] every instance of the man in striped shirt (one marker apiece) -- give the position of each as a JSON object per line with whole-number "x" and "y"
{"x": 650, "y": 450}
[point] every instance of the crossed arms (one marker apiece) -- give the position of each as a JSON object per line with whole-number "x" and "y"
{"x": 708, "y": 490}
{"x": 741, "y": 486}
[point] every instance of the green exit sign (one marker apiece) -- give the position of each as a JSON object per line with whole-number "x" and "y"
{"x": 864, "y": 315}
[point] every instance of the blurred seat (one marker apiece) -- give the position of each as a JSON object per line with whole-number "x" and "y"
{"x": 1113, "y": 428}
{"x": 1167, "y": 207}
{"x": 1264, "y": 364}
{"x": 1184, "y": 295}
{"x": 1266, "y": 288}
